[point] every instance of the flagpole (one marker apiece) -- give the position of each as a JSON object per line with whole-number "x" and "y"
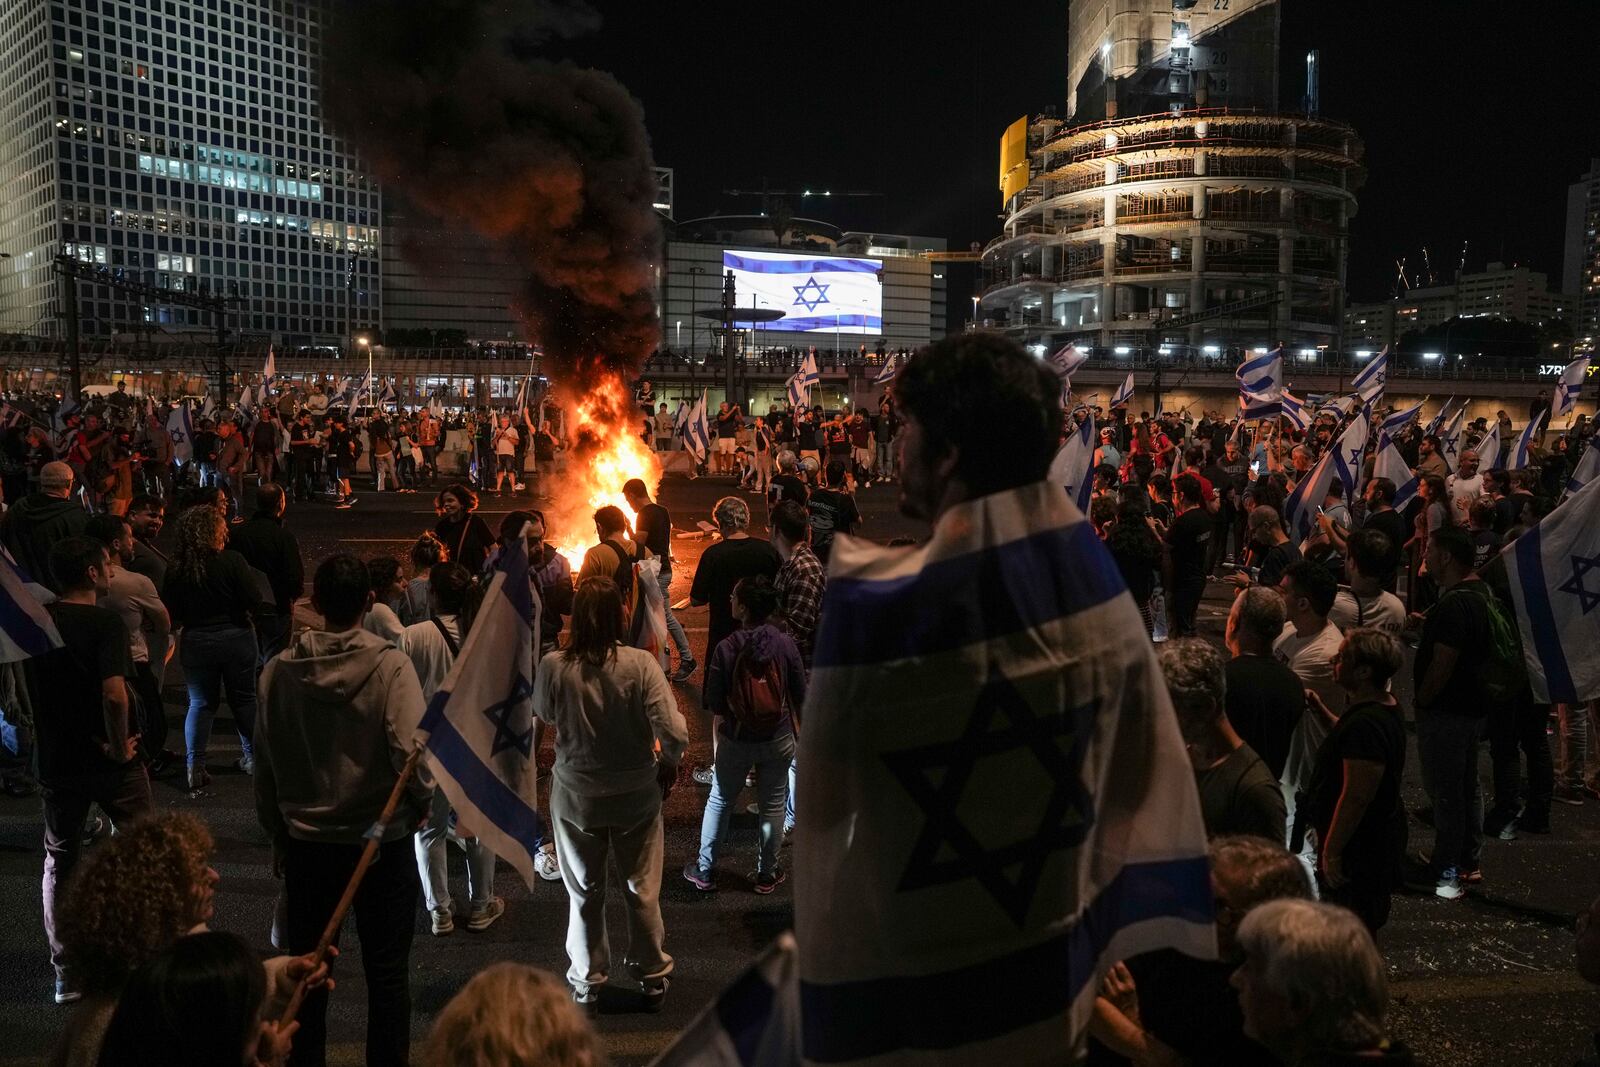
{"x": 368, "y": 853}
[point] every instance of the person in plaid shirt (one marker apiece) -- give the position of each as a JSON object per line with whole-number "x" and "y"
{"x": 799, "y": 584}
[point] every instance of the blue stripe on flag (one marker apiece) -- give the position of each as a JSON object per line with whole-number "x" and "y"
{"x": 981, "y": 595}
{"x": 744, "y": 1010}
{"x": 21, "y": 627}
{"x": 858, "y": 1020}
{"x": 800, "y": 266}
{"x": 1536, "y": 602}
{"x": 817, "y": 323}
{"x": 499, "y": 804}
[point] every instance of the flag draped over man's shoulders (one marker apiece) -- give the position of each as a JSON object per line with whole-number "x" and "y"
{"x": 1555, "y": 583}
{"x": 479, "y": 726}
{"x": 26, "y": 628}
{"x": 1004, "y": 807}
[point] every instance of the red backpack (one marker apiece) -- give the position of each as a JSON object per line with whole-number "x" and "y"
{"x": 757, "y": 697}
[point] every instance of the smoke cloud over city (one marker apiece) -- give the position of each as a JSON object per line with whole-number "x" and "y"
{"x": 458, "y": 105}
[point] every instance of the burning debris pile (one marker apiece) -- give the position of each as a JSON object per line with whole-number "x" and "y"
{"x": 449, "y": 102}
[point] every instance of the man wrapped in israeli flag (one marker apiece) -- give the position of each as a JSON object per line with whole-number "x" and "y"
{"x": 996, "y": 804}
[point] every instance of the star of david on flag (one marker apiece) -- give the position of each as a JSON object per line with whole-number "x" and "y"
{"x": 1554, "y": 571}
{"x": 478, "y": 728}
{"x": 811, "y": 295}
{"x": 988, "y": 729}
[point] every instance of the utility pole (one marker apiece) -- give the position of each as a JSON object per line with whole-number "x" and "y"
{"x": 74, "y": 350}
{"x": 728, "y": 346}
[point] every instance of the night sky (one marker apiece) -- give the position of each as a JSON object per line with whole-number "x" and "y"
{"x": 1476, "y": 116}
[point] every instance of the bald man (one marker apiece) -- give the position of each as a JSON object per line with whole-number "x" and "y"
{"x": 41, "y": 519}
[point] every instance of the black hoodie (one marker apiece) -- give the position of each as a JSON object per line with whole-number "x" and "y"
{"x": 36, "y": 522}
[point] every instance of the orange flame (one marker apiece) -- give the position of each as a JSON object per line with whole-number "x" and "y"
{"x": 604, "y": 427}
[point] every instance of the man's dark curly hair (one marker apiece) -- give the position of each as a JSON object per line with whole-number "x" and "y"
{"x": 982, "y": 396}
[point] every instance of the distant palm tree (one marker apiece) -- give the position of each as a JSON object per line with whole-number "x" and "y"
{"x": 780, "y": 218}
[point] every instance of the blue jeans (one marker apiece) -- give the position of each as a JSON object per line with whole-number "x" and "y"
{"x": 218, "y": 660}
{"x": 771, "y": 760}
{"x": 886, "y": 459}
{"x": 674, "y": 627}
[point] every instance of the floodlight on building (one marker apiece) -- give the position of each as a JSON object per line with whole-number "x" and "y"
{"x": 1430, "y": 355}
{"x": 1211, "y": 350}
{"x": 1122, "y": 350}
{"x": 1363, "y": 353}
{"x": 1165, "y": 350}
{"x": 1258, "y": 351}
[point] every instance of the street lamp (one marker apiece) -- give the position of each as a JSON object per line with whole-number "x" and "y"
{"x": 975, "y": 312}
{"x": 694, "y": 309}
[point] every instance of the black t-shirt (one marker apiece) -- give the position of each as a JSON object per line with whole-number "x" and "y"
{"x": 1460, "y": 620}
{"x": 1240, "y": 795}
{"x": 726, "y": 424}
{"x": 832, "y": 512}
{"x": 1265, "y": 701}
{"x": 1374, "y": 733}
{"x": 1485, "y": 543}
{"x": 64, "y": 686}
{"x": 838, "y": 439}
{"x": 654, "y": 529}
{"x": 1190, "y": 538}
{"x": 1188, "y": 1005}
{"x": 788, "y": 487}
{"x": 1275, "y": 561}
{"x": 721, "y": 567}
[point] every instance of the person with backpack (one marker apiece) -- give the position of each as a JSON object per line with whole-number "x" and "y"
{"x": 1468, "y": 662}
{"x": 755, "y": 686}
{"x": 616, "y": 553}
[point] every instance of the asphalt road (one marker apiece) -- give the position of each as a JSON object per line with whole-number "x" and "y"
{"x": 1486, "y": 980}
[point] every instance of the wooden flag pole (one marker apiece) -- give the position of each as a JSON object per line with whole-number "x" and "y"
{"x": 374, "y": 838}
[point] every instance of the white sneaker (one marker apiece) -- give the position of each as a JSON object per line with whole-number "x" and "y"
{"x": 547, "y": 866}
{"x": 443, "y": 922}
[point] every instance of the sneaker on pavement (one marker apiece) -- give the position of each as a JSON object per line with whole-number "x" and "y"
{"x": 766, "y": 881}
{"x": 685, "y": 671}
{"x": 587, "y": 1000}
{"x": 704, "y": 776}
{"x": 483, "y": 916}
{"x": 1448, "y": 886}
{"x": 65, "y": 993}
{"x": 247, "y": 764}
{"x": 698, "y": 876}
{"x": 1501, "y": 823}
{"x": 443, "y": 922}
{"x": 1568, "y": 794}
{"x": 547, "y": 866}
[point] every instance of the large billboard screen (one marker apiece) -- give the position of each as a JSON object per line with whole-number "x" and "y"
{"x": 816, "y": 294}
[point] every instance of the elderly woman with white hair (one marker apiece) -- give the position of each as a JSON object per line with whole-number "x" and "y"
{"x": 1312, "y": 986}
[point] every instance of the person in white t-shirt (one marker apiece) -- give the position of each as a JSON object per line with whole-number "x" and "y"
{"x": 504, "y": 442}
{"x": 1370, "y": 561}
{"x": 1465, "y": 485}
{"x": 1308, "y": 645}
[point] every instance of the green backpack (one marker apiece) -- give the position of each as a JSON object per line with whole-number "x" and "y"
{"x": 1502, "y": 674}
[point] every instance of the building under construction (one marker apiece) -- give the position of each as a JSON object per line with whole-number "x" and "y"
{"x": 1177, "y": 206}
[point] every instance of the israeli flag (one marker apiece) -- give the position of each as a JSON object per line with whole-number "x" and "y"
{"x": 1450, "y": 440}
{"x": 1294, "y": 409}
{"x": 1555, "y": 584}
{"x": 341, "y": 396}
{"x": 181, "y": 432}
{"x": 1066, "y": 361}
{"x": 478, "y": 728}
{"x": 680, "y": 421}
{"x": 754, "y": 1021}
{"x": 1391, "y": 465}
{"x": 1397, "y": 421}
{"x": 1588, "y": 467}
{"x": 1369, "y": 383}
{"x": 1568, "y": 386}
{"x": 1519, "y": 455}
{"x": 808, "y": 370}
{"x": 1439, "y": 417}
{"x": 1341, "y": 406}
{"x": 1342, "y": 461}
{"x": 26, "y": 628}
{"x": 362, "y": 392}
{"x": 698, "y": 438}
{"x": 990, "y": 723}
{"x": 891, "y": 367}
{"x": 1261, "y": 385}
{"x": 1488, "y": 449}
{"x": 247, "y": 404}
{"x": 388, "y": 396}
{"x": 1124, "y": 393}
{"x": 1073, "y": 467}
{"x": 799, "y": 394}
{"x": 269, "y": 369}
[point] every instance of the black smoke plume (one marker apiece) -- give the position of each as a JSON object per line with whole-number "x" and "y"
{"x": 457, "y": 105}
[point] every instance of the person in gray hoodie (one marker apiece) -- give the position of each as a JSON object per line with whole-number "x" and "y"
{"x": 337, "y": 714}
{"x": 40, "y": 519}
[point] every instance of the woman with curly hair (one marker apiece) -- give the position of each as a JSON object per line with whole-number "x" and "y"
{"x": 466, "y": 536}
{"x": 512, "y": 1015}
{"x": 212, "y": 595}
{"x": 130, "y": 898}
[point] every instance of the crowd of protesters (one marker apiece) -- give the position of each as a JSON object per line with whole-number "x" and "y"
{"x": 1296, "y": 740}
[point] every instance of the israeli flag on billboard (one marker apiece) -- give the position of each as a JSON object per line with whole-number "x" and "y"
{"x": 1555, "y": 584}
{"x": 989, "y": 720}
{"x": 478, "y": 729}
{"x": 815, "y": 294}
{"x": 1568, "y": 387}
